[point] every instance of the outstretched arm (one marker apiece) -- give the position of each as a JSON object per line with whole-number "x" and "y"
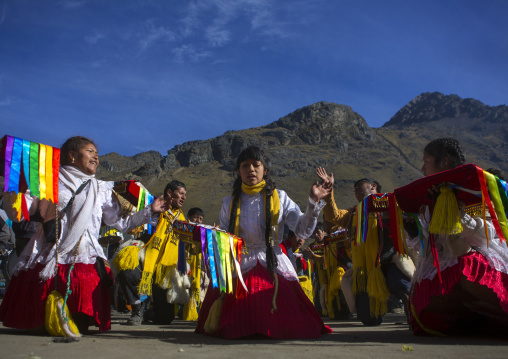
{"x": 159, "y": 205}
{"x": 319, "y": 191}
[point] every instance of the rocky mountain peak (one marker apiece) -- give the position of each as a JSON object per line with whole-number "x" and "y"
{"x": 319, "y": 123}
{"x": 323, "y": 122}
{"x": 434, "y": 106}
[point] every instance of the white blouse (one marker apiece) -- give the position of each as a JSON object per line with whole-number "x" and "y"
{"x": 450, "y": 247}
{"x": 107, "y": 210}
{"x": 252, "y": 228}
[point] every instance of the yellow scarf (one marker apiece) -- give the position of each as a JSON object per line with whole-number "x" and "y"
{"x": 161, "y": 251}
{"x": 274, "y": 209}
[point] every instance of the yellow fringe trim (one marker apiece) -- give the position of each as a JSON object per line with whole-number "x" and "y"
{"x": 163, "y": 275}
{"x": 213, "y": 319}
{"x": 190, "y": 310}
{"x": 378, "y": 292}
{"x": 145, "y": 285}
{"x": 359, "y": 280}
{"x": 446, "y": 215}
{"x": 127, "y": 258}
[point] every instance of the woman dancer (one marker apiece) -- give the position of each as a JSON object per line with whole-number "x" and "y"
{"x": 473, "y": 295}
{"x": 34, "y": 275}
{"x": 275, "y": 305}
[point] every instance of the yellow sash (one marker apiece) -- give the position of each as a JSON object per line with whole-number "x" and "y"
{"x": 161, "y": 251}
{"x": 274, "y": 208}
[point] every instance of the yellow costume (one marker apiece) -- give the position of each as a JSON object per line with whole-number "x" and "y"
{"x": 161, "y": 253}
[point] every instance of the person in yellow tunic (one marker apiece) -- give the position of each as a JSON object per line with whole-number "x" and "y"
{"x": 157, "y": 271}
{"x": 395, "y": 272}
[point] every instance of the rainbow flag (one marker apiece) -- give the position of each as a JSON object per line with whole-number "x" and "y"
{"x": 29, "y": 165}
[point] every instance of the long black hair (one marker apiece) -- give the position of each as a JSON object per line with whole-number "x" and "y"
{"x": 446, "y": 147}
{"x": 255, "y": 153}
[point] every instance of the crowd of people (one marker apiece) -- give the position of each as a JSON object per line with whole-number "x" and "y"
{"x": 295, "y": 270}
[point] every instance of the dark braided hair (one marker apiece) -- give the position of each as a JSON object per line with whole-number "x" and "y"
{"x": 255, "y": 153}
{"x": 446, "y": 147}
{"x": 73, "y": 144}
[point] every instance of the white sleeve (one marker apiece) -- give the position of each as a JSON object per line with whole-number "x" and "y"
{"x": 474, "y": 230}
{"x": 302, "y": 224}
{"x": 113, "y": 216}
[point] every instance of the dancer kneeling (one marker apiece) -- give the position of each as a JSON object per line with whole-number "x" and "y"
{"x": 275, "y": 304}
{"x": 468, "y": 292}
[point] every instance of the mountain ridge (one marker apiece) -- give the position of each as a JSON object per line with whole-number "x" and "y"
{"x": 323, "y": 134}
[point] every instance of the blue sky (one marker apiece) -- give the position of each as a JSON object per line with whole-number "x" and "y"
{"x": 148, "y": 75}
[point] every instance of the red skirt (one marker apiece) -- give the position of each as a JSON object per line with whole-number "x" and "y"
{"x": 250, "y": 314}
{"x": 23, "y": 306}
{"x": 475, "y": 268}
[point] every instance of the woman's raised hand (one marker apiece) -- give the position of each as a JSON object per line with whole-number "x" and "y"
{"x": 319, "y": 191}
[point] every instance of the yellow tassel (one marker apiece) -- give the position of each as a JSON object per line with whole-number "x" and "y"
{"x": 190, "y": 310}
{"x": 55, "y": 324}
{"x": 164, "y": 274}
{"x": 213, "y": 319}
{"x": 333, "y": 291}
{"x": 145, "y": 285}
{"x": 446, "y": 215}
{"x": 359, "y": 280}
{"x": 127, "y": 258}
{"x": 378, "y": 292}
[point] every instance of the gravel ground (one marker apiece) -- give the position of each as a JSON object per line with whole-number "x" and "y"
{"x": 350, "y": 339}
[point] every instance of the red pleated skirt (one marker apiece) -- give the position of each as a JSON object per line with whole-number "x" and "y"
{"x": 23, "y": 306}
{"x": 250, "y": 313}
{"x": 476, "y": 269}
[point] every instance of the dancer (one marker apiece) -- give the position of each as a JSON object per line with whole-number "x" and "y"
{"x": 80, "y": 257}
{"x": 396, "y": 271}
{"x": 275, "y": 304}
{"x": 469, "y": 291}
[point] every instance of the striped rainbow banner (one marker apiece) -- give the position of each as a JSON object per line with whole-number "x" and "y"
{"x": 30, "y": 165}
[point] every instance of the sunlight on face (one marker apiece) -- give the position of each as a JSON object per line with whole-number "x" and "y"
{"x": 363, "y": 189}
{"x": 177, "y": 197}
{"x": 87, "y": 159}
{"x": 252, "y": 172}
